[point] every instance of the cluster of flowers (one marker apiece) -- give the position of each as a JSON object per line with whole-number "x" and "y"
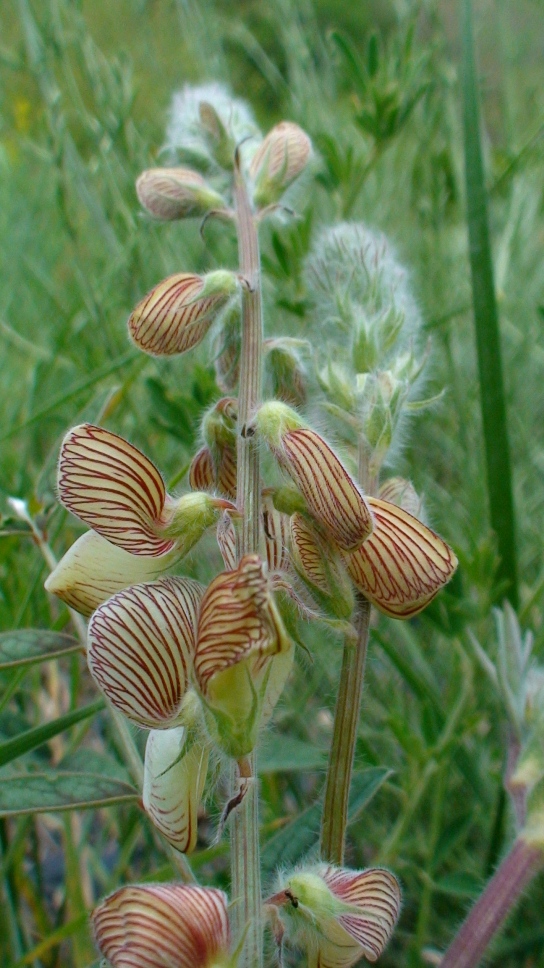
{"x": 203, "y": 668}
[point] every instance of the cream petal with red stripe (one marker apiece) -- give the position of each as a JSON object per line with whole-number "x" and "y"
{"x": 201, "y": 471}
{"x": 375, "y": 897}
{"x": 175, "y": 770}
{"x": 276, "y": 536}
{"x": 403, "y": 565}
{"x": 94, "y": 569}
{"x": 330, "y": 492}
{"x": 115, "y": 489}
{"x": 163, "y": 926}
{"x": 226, "y": 539}
{"x": 401, "y": 492}
{"x": 176, "y": 315}
{"x": 141, "y": 644}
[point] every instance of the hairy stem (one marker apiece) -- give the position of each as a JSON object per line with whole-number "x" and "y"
{"x": 501, "y": 894}
{"x": 245, "y": 858}
{"x": 346, "y": 719}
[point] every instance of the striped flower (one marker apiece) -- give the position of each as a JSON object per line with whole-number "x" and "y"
{"x": 173, "y": 193}
{"x": 337, "y": 915}
{"x": 279, "y": 159}
{"x": 214, "y": 466}
{"x": 243, "y": 655}
{"x": 176, "y": 762}
{"x": 120, "y": 494}
{"x": 141, "y": 646}
{"x": 94, "y": 569}
{"x": 331, "y": 494}
{"x": 403, "y": 564}
{"x": 176, "y": 315}
{"x": 164, "y": 926}
{"x": 319, "y": 564}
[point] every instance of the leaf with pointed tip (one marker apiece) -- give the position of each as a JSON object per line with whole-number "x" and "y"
{"x": 17, "y": 746}
{"x": 26, "y": 646}
{"x": 59, "y": 790}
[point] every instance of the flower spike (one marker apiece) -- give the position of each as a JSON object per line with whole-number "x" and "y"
{"x": 338, "y": 915}
{"x": 163, "y": 926}
{"x": 176, "y": 315}
{"x": 141, "y": 644}
{"x": 403, "y": 565}
{"x": 94, "y": 569}
{"x": 115, "y": 489}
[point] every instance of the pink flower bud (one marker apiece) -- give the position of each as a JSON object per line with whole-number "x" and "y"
{"x": 281, "y": 158}
{"x": 176, "y": 315}
{"x": 163, "y": 926}
{"x": 141, "y": 647}
{"x": 115, "y": 489}
{"x": 403, "y": 564}
{"x": 174, "y": 193}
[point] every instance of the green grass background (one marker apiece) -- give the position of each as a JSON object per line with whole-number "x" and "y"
{"x": 84, "y": 96}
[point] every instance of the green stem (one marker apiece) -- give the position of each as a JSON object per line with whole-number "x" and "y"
{"x": 346, "y": 720}
{"x": 245, "y": 856}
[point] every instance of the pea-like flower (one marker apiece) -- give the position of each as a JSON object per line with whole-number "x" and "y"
{"x": 177, "y": 313}
{"x": 164, "y": 926}
{"x": 279, "y": 159}
{"x": 337, "y": 915}
{"x": 174, "y": 193}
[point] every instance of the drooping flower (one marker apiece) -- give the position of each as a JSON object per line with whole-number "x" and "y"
{"x": 177, "y": 313}
{"x": 111, "y": 486}
{"x": 174, "y": 193}
{"x": 338, "y": 915}
{"x": 243, "y": 655}
{"x": 320, "y": 566}
{"x": 164, "y": 926}
{"x": 141, "y": 648}
{"x": 94, "y": 569}
{"x": 331, "y": 494}
{"x": 403, "y": 564}
{"x": 176, "y": 762}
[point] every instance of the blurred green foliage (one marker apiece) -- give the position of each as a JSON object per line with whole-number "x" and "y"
{"x": 83, "y": 106}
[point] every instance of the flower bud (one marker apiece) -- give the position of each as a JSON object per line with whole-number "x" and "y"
{"x": 141, "y": 647}
{"x": 115, "y": 489}
{"x": 240, "y": 633}
{"x": 398, "y": 491}
{"x": 338, "y": 915}
{"x": 403, "y": 564}
{"x": 176, "y": 315}
{"x": 276, "y": 536}
{"x": 320, "y": 566}
{"x": 227, "y": 348}
{"x": 93, "y": 570}
{"x": 163, "y": 926}
{"x": 192, "y": 515}
{"x": 283, "y": 362}
{"x": 174, "y": 193}
{"x": 217, "y": 461}
{"x": 279, "y": 159}
{"x": 175, "y": 768}
{"x": 332, "y": 496}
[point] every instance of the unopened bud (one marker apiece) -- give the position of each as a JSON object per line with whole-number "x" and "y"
{"x": 279, "y": 159}
{"x": 227, "y": 349}
{"x": 174, "y": 193}
{"x": 398, "y": 491}
{"x": 176, "y": 315}
{"x": 330, "y": 492}
{"x": 284, "y": 363}
{"x": 320, "y": 567}
{"x": 192, "y": 515}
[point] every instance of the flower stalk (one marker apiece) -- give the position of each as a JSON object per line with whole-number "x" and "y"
{"x": 245, "y": 858}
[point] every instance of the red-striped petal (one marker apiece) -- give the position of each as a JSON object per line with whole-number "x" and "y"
{"x": 163, "y": 926}
{"x": 115, "y": 489}
{"x": 376, "y": 895}
{"x": 403, "y": 565}
{"x": 398, "y": 491}
{"x": 176, "y": 315}
{"x": 276, "y": 535}
{"x": 226, "y": 539}
{"x": 174, "y": 777}
{"x": 94, "y": 569}
{"x": 201, "y": 471}
{"x": 141, "y": 644}
{"x": 332, "y": 496}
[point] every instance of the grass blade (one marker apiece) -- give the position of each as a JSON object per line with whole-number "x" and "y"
{"x": 11, "y": 749}
{"x": 492, "y": 397}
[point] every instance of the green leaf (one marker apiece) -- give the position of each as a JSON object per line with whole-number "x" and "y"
{"x": 58, "y": 790}
{"x": 459, "y": 884}
{"x": 11, "y": 749}
{"x": 280, "y": 753}
{"x": 25, "y": 646}
{"x": 52, "y": 940}
{"x": 492, "y": 396}
{"x": 297, "y": 838}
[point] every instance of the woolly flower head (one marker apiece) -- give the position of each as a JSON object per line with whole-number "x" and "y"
{"x": 185, "y": 130}
{"x": 358, "y": 285}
